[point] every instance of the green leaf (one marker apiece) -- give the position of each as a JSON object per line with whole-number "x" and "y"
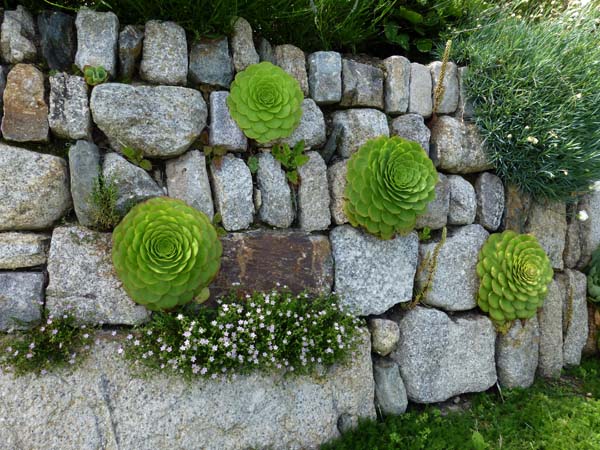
{"x": 478, "y": 441}
{"x": 217, "y": 219}
{"x": 128, "y": 152}
{"x": 391, "y": 31}
{"x": 253, "y": 164}
{"x": 292, "y": 177}
{"x": 145, "y": 164}
{"x": 409, "y": 15}
{"x": 300, "y": 160}
{"x": 424, "y": 45}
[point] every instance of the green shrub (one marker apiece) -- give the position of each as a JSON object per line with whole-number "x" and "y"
{"x": 389, "y": 182}
{"x": 166, "y": 253}
{"x": 103, "y": 204}
{"x": 536, "y": 94}
{"x": 593, "y": 277}
{"x": 269, "y": 331}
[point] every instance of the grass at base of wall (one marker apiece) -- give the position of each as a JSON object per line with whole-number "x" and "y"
{"x": 551, "y": 415}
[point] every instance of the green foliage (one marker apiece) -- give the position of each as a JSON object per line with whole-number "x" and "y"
{"x": 389, "y": 182}
{"x": 253, "y": 164}
{"x": 551, "y": 415}
{"x": 166, "y": 253}
{"x": 514, "y": 273}
{"x": 103, "y": 203}
{"x": 57, "y": 342}
{"x": 266, "y": 102}
{"x": 136, "y": 157}
{"x": 536, "y": 94}
{"x": 94, "y": 75}
{"x": 264, "y": 331}
{"x": 425, "y": 234}
{"x": 290, "y": 159}
{"x": 593, "y": 277}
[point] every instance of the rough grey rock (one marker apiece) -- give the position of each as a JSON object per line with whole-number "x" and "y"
{"x": 292, "y": 60}
{"x": 589, "y": 229}
{"x": 130, "y": 50}
{"x": 551, "y": 332}
{"x": 232, "y": 187}
{"x": 390, "y": 394}
{"x": 21, "y": 298}
{"x": 83, "y": 280}
{"x": 57, "y": 39}
{"x": 210, "y": 62}
{"x": 311, "y": 128}
{"x": 455, "y": 283}
{"x": 3, "y": 71}
{"x": 517, "y": 354}
{"x": 187, "y": 180}
{"x": 224, "y": 131}
{"x": 353, "y": 127}
{"x": 325, "y": 77}
{"x": 69, "y": 116}
{"x": 276, "y": 196}
{"x": 575, "y": 316}
{"x": 372, "y": 275}
{"x": 313, "y": 194}
{"x": 173, "y": 117}
{"x": 242, "y": 45}
{"x": 165, "y": 54}
{"x": 84, "y": 162}
{"x": 397, "y": 84}
{"x": 97, "y": 38}
{"x": 465, "y": 106}
{"x": 449, "y": 101}
{"x": 25, "y": 110}
{"x": 105, "y": 397}
{"x": 336, "y": 177}
{"x": 384, "y": 335}
{"x": 17, "y": 36}
{"x": 134, "y": 184}
{"x": 21, "y": 250}
{"x": 489, "y": 191}
{"x": 436, "y": 214}
{"x": 34, "y": 189}
{"x": 362, "y": 85}
{"x": 413, "y": 128}
{"x": 442, "y": 356}
{"x": 265, "y": 51}
{"x": 547, "y": 221}
{"x": 572, "y": 253}
{"x": 463, "y": 201}
{"x": 456, "y": 147}
{"x": 420, "y": 99}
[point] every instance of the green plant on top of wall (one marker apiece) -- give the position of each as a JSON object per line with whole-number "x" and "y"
{"x": 390, "y": 181}
{"x": 166, "y": 253}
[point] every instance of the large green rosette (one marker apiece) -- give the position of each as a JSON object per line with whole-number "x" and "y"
{"x": 389, "y": 183}
{"x": 593, "y": 277}
{"x": 166, "y": 253}
{"x": 514, "y": 273}
{"x": 266, "y": 102}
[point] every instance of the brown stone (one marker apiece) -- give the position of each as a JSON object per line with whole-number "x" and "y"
{"x": 591, "y": 345}
{"x": 516, "y": 209}
{"x": 25, "y": 110}
{"x": 258, "y": 260}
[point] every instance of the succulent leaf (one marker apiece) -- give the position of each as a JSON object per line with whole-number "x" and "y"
{"x": 265, "y": 102}
{"x": 389, "y": 183}
{"x": 593, "y": 277}
{"x": 514, "y": 272}
{"x": 166, "y": 253}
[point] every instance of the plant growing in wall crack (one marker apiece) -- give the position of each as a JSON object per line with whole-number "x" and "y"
{"x": 390, "y": 181}
{"x": 514, "y": 273}
{"x": 593, "y": 277}
{"x": 94, "y": 75}
{"x": 166, "y": 253}
{"x": 265, "y": 102}
{"x": 136, "y": 156}
{"x": 290, "y": 159}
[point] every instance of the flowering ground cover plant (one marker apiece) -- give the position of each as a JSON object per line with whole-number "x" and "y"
{"x": 266, "y": 331}
{"x": 514, "y": 273}
{"x": 390, "y": 181}
{"x": 266, "y": 102}
{"x": 166, "y": 253}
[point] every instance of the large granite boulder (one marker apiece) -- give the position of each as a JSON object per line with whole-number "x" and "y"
{"x": 517, "y": 354}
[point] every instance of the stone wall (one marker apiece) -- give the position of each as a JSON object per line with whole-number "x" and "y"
{"x": 167, "y": 97}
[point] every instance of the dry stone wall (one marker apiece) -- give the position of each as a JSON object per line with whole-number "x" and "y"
{"x": 167, "y": 97}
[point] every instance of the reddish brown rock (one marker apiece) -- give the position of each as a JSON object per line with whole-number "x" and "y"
{"x": 591, "y": 346}
{"x": 516, "y": 209}
{"x": 260, "y": 259}
{"x": 25, "y": 110}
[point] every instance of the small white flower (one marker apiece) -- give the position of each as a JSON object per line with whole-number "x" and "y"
{"x": 595, "y": 186}
{"x": 582, "y": 216}
{"x": 179, "y": 316}
{"x": 532, "y": 139}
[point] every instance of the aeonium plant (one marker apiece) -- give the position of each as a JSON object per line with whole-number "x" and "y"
{"x": 266, "y": 102}
{"x": 593, "y": 277}
{"x": 166, "y": 253}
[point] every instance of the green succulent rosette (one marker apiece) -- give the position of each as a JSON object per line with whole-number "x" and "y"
{"x": 514, "y": 273}
{"x": 389, "y": 182}
{"x": 266, "y": 102}
{"x": 166, "y": 253}
{"x": 593, "y": 277}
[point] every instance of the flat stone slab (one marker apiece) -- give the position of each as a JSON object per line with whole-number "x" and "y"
{"x": 442, "y": 356}
{"x": 97, "y": 39}
{"x": 83, "y": 280}
{"x": 69, "y": 116}
{"x": 116, "y": 409}
{"x": 34, "y": 189}
{"x": 372, "y": 275}
{"x": 210, "y": 62}
{"x": 173, "y": 117}
{"x": 21, "y": 300}
{"x": 258, "y": 260}
{"x": 21, "y": 250}
{"x": 165, "y": 55}
{"x": 325, "y": 77}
